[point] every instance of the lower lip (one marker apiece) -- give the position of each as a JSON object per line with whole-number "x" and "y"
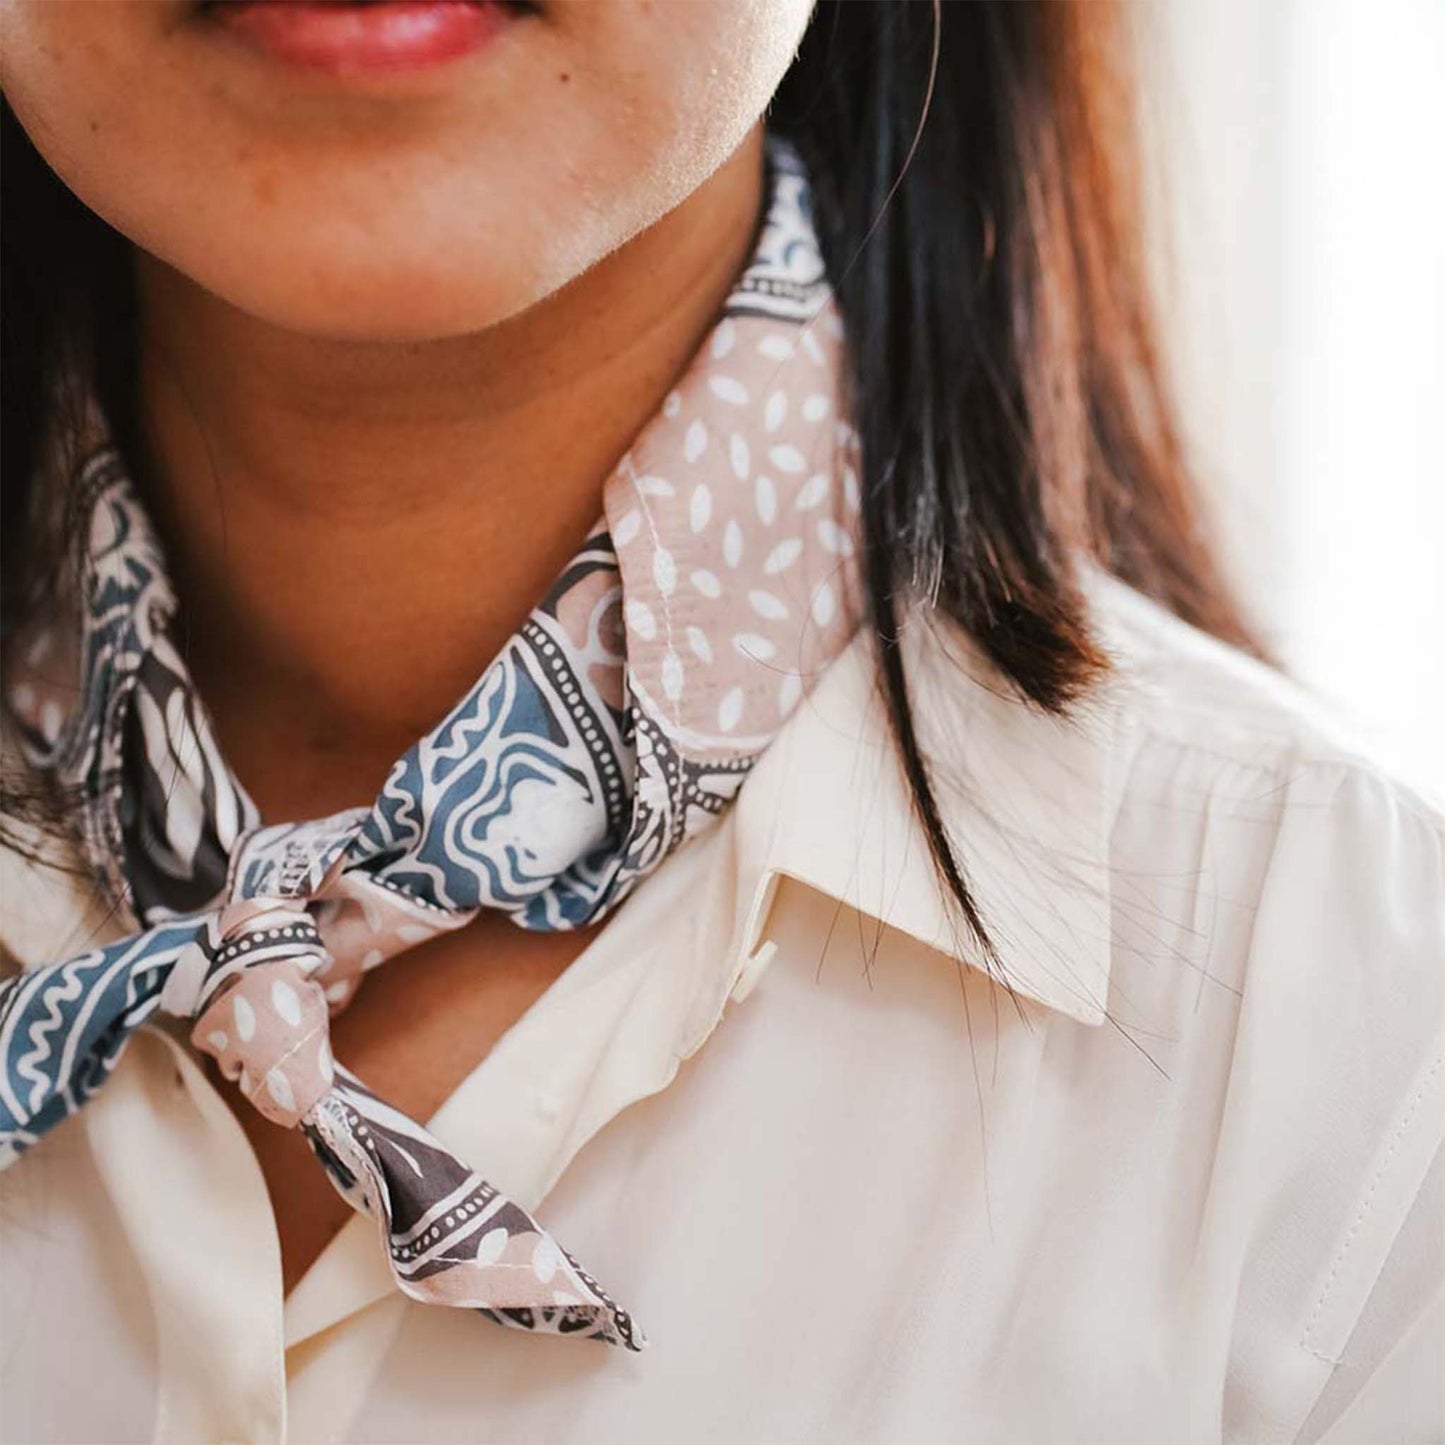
{"x": 377, "y": 39}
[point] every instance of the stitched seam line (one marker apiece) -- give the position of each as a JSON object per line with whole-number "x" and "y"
{"x": 654, "y": 590}
{"x": 1289, "y": 768}
{"x": 1366, "y": 1205}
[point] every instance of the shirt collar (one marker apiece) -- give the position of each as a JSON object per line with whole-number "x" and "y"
{"x": 1027, "y": 798}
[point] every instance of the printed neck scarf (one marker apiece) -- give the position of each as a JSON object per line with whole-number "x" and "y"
{"x": 617, "y": 723}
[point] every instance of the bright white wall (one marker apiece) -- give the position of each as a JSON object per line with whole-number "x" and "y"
{"x": 1301, "y": 148}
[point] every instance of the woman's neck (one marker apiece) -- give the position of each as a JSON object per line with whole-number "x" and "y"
{"x": 356, "y": 528}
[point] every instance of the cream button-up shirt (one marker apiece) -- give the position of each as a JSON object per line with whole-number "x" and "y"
{"x": 1174, "y": 1176}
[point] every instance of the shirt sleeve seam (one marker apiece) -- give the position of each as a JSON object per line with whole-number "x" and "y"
{"x": 1402, "y": 1130}
{"x": 1286, "y": 767}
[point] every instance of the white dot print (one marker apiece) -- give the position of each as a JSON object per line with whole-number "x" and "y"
{"x": 737, "y": 576}
{"x": 783, "y": 556}
{"x": 664, "y": 571}
{"x": 701, "y": 647}
{"x": 786, "y": 458}
{"x": 729, "y": 389}
{"x": 739, "y": 456}
{"x": 699, "y": 508}
{"x": 627, "y": 528}
{"x": 491, "y": 1246}
{"x": 823, "y": 605}
{"x": 285, "y": 1001}
{"x": 545, "y": 1260}
{"x": 245, "y": 1017}
{"x": 730, "y": 710}
{"x": 834, "y": 538}
{"x": 672, "y": 675}
{"x": 640, "y": 618}
{"x": 766, "y": 604}
{"x": 279, "y": 1088}
{"x": 812, "y": 493}
{"x": 765, "y": 499}
{"x": 754, "y": 647}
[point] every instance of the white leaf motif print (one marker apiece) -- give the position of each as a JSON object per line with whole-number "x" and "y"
{"x": 699, "y": 509}
{"x": 728, "y": 389}
{"x": 245, "y": 1017}
{"x": 783, "y": 556}
{"x": 279, "y": 1088}
{"x": 285, "y": 1002}
{"x": 812, "y": 493}
{"x": 730, "y": 710}
{"x": 823, "y": 605}
{"x": 701, "y": 647}
{"x": 664, "y": 571}
{"x": 754, "y": 646}
{"x": 766, "y": 604}
{"x": 739, "y": 456}
{"x": 765, "y": 499}
{"x": 672, "y": 675}
{"x": 640, "y": 618}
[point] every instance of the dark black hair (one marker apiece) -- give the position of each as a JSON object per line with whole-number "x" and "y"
{"x": 976, "y": 192}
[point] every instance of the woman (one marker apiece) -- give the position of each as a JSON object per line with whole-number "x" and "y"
{"x": 751, "y": 414}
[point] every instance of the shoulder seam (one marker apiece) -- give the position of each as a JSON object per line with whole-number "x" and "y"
{"x": 1402, "y": 1130}
{"x": 1287, "y": 765}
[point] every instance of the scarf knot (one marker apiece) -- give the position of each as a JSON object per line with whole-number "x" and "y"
{"x": 252, "y": 988}
{"x": 616, "y": 724}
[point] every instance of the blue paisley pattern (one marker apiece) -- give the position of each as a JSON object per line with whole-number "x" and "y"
{"x": 524, "y": 798}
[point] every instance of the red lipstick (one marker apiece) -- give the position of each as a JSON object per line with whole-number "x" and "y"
{"x": 364, "y": 37}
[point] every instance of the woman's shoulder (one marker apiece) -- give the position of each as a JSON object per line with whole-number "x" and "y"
{"x": 1179, "y": 686}
{"x": 1278, "y": 907}
{"x": 1213, "y": 814}
{"x": 1290, "y": 816}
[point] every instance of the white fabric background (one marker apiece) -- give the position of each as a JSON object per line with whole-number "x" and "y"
{"x": 1299, "y": 181}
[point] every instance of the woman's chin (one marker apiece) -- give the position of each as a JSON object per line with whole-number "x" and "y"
{"x": 408, "y": 300}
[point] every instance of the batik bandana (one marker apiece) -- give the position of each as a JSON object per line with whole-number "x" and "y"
{"x": 618, "y": 723}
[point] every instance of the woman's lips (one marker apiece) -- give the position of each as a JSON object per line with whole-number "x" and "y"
{"x": 378, "y": 37}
